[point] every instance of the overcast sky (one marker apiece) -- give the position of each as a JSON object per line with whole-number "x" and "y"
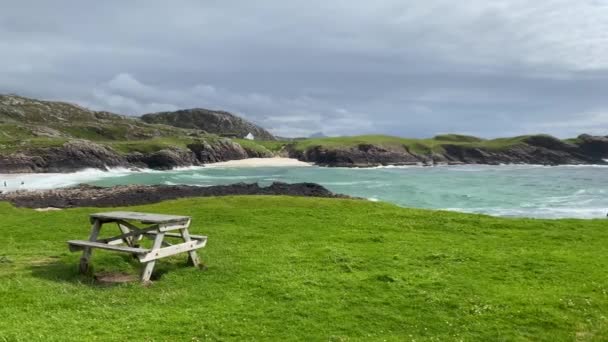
{"x": 408, "y": 68}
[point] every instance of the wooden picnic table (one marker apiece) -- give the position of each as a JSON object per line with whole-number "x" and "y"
{"x": 158, "y": 227}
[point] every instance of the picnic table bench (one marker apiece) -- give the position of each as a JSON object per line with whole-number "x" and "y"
{"x": 158, "y": 227}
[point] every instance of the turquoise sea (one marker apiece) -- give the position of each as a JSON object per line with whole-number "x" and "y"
{"x": 529, "y": 191}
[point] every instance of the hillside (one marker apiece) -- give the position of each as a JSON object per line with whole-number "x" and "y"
{"x": 217, "y": 122}
{"x": 23, "y": 118}
{"x": 315, "y": 269}
{"x": 47, "y": 136}
{"x": 374, "y": 150}
{"x": 50, "y": 136}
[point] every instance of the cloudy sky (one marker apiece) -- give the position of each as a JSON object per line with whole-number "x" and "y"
{"x": 401, "y": 67}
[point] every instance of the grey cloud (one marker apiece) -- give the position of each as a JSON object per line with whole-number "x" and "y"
{"x": 488, "y": 68}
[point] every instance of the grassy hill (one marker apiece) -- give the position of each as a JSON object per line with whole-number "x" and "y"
{"x": 430, "y": 145}
{"x": 282, "y": 268}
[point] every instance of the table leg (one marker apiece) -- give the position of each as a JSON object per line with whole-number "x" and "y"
{"x": 131, "y": 241}
{"x": 192, "y": 256}
{"x": 87, "y": 251}
{"x": 149, "y": 267}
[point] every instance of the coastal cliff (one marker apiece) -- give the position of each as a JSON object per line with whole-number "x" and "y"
{"x": 378, "y": 150}
{"x": 76, "y": 155}
{"x": 48, "y": 136}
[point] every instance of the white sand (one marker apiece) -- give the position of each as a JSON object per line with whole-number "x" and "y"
{"x": 261, "y": 162}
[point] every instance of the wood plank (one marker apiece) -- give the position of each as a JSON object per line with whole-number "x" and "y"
{"x": 135, "y": 232}
{"x": 166, "y": 227}
{"x": 85, "y": 259}
{"x": 177, "y": 235}
{"x": 129, "y": 240}
{"x": 141, "y": 217}
{"x": 147, "y": 271}
{"x": 175, "y": 249}
{"x": 192, "y": 256}
{"x": 83, "y": 244}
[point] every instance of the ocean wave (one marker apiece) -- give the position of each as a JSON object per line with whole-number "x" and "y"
{"x": 43, "y": 181}
{"x": 538, "y": 212}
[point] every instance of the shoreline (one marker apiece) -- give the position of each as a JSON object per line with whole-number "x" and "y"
{"x": 261, "y": 162}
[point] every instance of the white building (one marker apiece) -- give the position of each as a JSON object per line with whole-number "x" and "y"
{"x": 249, "y": 136}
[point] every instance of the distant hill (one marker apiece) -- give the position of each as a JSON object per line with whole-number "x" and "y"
{"x": 318, "y": 135}
{"x": 49, "y": 136}
{"x": 22, "y": 118}
{"x": 211, "y": 121}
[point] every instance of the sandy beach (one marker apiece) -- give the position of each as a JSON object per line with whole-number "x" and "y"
{"x": 261, "y": 162}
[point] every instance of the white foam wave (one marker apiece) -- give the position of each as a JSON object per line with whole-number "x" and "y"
{"x": 35, "y": 181}
{"x": 538, "y": 212}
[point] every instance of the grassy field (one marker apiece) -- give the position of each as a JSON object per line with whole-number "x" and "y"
{"x": 283, "y": 268}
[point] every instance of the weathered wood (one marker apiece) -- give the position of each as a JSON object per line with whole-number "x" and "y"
{"x": 147, "y": 271}
{"x": 161, "y": 225}
{"x": 134, "y": 232}
{"x": 125, "y": 230}
{"x": 166, "y": 227}
{"x": 177, "y": 235}
{"x": 192, "y": 256}
{"x": 84, "y": 244}
{"x": 141, "y": 217}
{"x": 172, "y": 250}
{"x": 87, "y": 251}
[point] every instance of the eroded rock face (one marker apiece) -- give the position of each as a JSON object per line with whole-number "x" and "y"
{"x": 363, "y": 155}
{"x": 91, "y": 196}
{"x": 540, "y": 149}
{"x": 72, "y": 156}
{"x": 81, "y": 154}
{"x": 166, "y": 159}
{"x": 222, "y": 150}
{"x": 595, "y": 146}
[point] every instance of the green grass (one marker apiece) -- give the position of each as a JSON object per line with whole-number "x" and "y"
{"x": 457, "y": 138}
{"x": 150, "y": 145}
{"x": 414, "y": 145}
{"x": 282, "y": 268}
{"x": 10, "y": 146}
{"x": 264, "y": 146}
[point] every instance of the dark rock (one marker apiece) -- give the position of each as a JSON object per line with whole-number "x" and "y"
{"x": 594, "y": 146}
{"x": 539, "y": 149}
{"x": 363, "y": 155}
{"x": 92, "y": 196}
{"x": 168, "y": 159}
{"x": 79, "y": 154}
{"x": 222, "y": 150}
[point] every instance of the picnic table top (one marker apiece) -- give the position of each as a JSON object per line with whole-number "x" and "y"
{"x": 142, "y": 217}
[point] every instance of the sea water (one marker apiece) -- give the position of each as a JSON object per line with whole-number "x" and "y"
{"x": 522, "y": 191}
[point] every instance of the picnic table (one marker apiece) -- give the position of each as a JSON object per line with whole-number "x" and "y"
{"x": 157, "y": 228}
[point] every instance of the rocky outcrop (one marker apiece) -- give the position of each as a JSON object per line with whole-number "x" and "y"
{"x": 210, "y": 121}
{"x": 72, "y": 156}
{"x": 363, "y": 155}
{"x": 221, "y": 150}
{"x": 166, "y": 159}
{"x": 81, "y": 154}
{"x": 593, "y": 146}
{"x": 539, "y": 149}
{"x": 91, "y": 196}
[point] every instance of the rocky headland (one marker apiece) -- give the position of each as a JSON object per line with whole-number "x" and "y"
{"x": 535, "y": 149}
{"x": 93, "y": 196}
{"x": 46, "y": 136}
